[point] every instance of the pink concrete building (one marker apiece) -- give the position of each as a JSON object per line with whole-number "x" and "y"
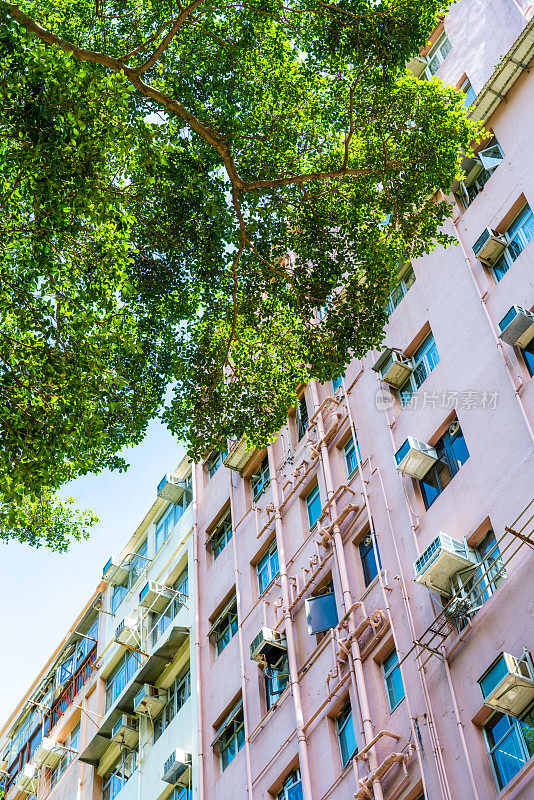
{"x": 347, "y": 613}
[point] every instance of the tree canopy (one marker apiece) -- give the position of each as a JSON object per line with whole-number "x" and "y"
{"x": 183, "y": 189}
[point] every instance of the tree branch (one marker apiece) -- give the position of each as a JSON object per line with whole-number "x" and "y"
{"x": 170, "y": 36}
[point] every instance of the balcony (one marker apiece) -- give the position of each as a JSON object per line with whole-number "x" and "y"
{"x": 73, "y": 686}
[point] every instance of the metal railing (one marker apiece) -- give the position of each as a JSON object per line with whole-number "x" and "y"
{"x": 74, "y": 684}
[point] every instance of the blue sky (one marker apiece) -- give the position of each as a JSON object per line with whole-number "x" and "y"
{"x": 43, "y": 592}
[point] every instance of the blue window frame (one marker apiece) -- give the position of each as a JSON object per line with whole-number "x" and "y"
{"x": 437, "y": 55}
{"x": 368, "y": 559}
{"x": 291, "y": 788}
{"x": 393, "y": 680}
{"x": 452, "y": 453}
{"x": 120, "y": 773}
{"x": 267, "y": 568}
{"x": 518, "y": 236}
{"x": 276, "y": 679}
{"x": 71, "y": 745}
{"x": 510, "y": 744}
{"x": 425, "y": 358}
{"x": 261, "y": 479}
{"x": 179, "y": 693}
{"x": 313, "y": 506}
{"x": 469, "y": 93}
{"x": 214, "y": 461}
{"x": 528, "y": 357}
{"x": 160, "y": 622}
{"x": 225, "y": 627}
{"x": 336, "y": 383}
{"x": 231, "y": 736}
{"x": 406, "y": 281}
{"x": 301, "y": 418}
{"x": 346, "y": 736}
{"x": 351, "y": 460}
{"x": 221, "y": 536}
{"x": 120, "y": 677}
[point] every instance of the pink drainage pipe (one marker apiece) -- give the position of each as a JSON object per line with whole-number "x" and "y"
{"x": 290, "y": 638}
{"x": 355, "y": 654}
{"x": 241, "y": 649}
{"x": 197, "y": 636}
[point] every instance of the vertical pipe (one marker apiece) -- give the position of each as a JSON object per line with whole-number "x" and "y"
{"x": 196, "y": 563}
{"x": 347, "y": 599}
{"x": 291, "y": 648}
{"x": 381, "y": 581}
{"x": 460, "y": 727}
{"x": 241, "y": 649}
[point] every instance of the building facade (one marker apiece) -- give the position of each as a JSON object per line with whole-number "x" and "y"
{"x": 348, "y": 612}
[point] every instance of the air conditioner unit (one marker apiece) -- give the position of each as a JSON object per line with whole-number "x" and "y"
{"x": 489, "y": 246}
{"x": 27, "y": 779}
{"x": 176, "y": 767}
{"x": 442, "y": 559}
{"x": 125, "y": 731}
{"x": 416, "y": 66}
{"x": 127, "y": 630}
{"x": 171, "y": 489}
{"x": 154, "y": 596}
{"x": 267, "y": 646}
{"x": 115, "y": 572}
{"x": 47, "y": 754}
{"x": 517, "y": 327}
{"x": 508, "y": 685}
{"x": 393, "y": 367}
{"x": 415, "y": 458}
{"x": 150, "y": 701}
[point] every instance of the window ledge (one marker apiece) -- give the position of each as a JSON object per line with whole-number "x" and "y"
{"x": 518, "y": 777}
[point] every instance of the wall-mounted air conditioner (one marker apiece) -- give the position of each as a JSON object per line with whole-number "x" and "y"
{"x": 393, "y": 367}
{"x": 155, "y": 596}
{"x": 416, "y": 66}
{"x": 517, "y": 327}
{"x": 48, "y": 753}
{"x": 267, "y": 646}
{"x": 115, "y": 572}
{"x": 127, "y": 630}
{"x": 150, "y": 701}
{"x": 170, "y": 488}
{"x": 415, "y": 458}
{"x": 508, "y": 685}
{"x": 125, "y": 731}
{"x": 27, "y": 779}
{"x": 440, "y": 561}
{"x": 489, "y": 246}
{"x": 177, "y": 767}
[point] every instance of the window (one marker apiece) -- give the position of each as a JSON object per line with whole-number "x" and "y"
{"x": 119, "y": 593}
{"x": 393, "y": 680}
{"x": 478, "y": 585}
{"x": 367, "y": 556}
{"x": 120, "y": 677}
{"x": 528, "y": 357}
{"x": 406, "y": 281}
{"x": 346, "y": 735}
{"x": 479, "y": 170}
{"x": 225, "y": 627}
{"x": 179, "y": 692}
{"x": 260, "y": 480}
{"x": 160, "y": 622}
{"x": 276, "y": 679}
{"x": 424, "y": 360}
{"x": 452, "y": 453}
{"x": 138, "y": 562}
{"x": 117, "y": 777}
{"x": 313, "y": 506}
{"x": 510, "y": 744}
{"x": 291, "y": 788}
{"x": 214, "y": 461}
{"x": 301, "y": 418}
{"x": 166, "y": 523}
{"x": 267, "y": 568}
{"x": 221, "y": 536}
{"x": 180, "y": 793}
{"x": 231, "y": 736}
{"x": 469, "y": 92}
{"x": 71, "y": 745}
{"x": 517, "y": 236}
{"x": 437, "y": 55}
{"x": 349, "y": 454}
{"x": 336, "y": 383}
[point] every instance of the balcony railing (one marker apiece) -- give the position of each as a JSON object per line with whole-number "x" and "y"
{"x": 75, "y": 683}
